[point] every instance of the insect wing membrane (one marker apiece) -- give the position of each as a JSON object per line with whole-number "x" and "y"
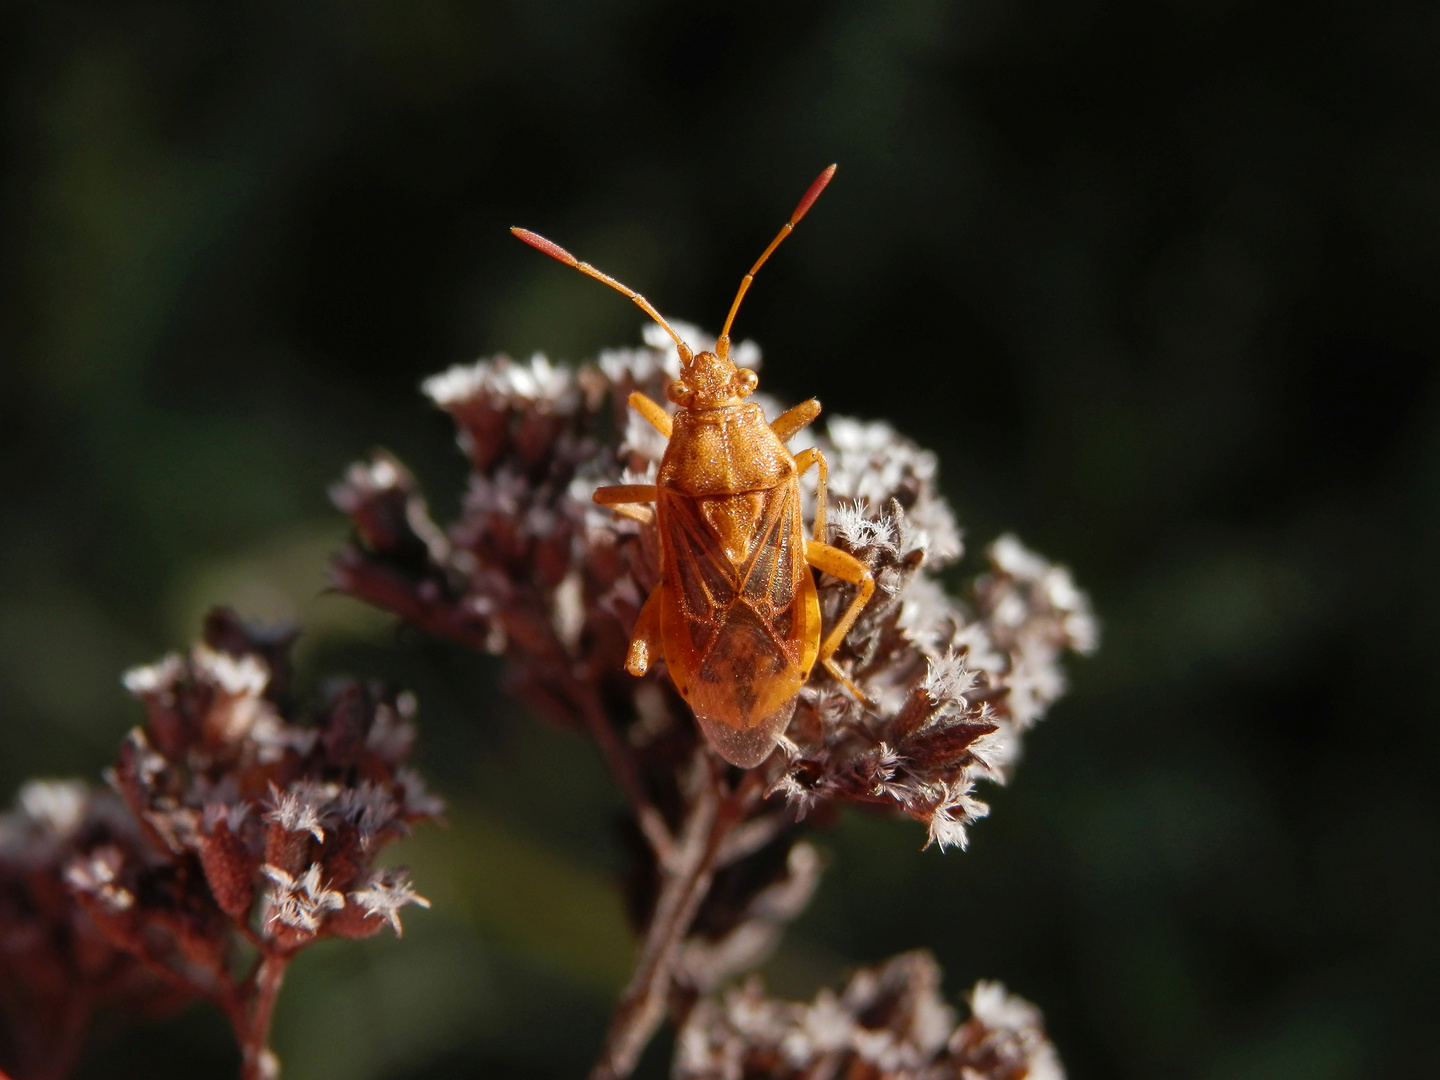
{"x": 747, "y": 747}
{"x": 734, "y": 631}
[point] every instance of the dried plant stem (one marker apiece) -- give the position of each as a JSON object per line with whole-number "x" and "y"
{"x": 253, "y": 1030}
{"x": 69, "y": 1039}
{"x": 223, "y": 996}
{"x": 622, "y": 764}
{"x": 685, "y": 880}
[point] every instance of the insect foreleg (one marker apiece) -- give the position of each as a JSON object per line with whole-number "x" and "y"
{"x": 625, "y": 500}
{"x": 803, "y": 460}
{"x": 645, "y": 640}
{"x": 792, "y": 420}
{"x": 846, "y": 567}
{"x": 659, "y": 419}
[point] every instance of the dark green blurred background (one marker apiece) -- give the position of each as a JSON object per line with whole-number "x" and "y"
{"x": 1157, "y": 280}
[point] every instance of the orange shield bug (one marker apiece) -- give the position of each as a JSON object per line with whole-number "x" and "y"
{"x": 735, "y": 615}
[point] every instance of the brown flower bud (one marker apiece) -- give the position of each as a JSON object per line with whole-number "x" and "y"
{"x": 944, "y": 745}
{"x": 348, "y": 716}
{"x": 354, "y": 922}
{"x": 230, "y": 870}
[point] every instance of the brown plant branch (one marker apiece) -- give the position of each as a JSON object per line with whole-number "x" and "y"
{"x": 258, "y": 1061}
{"x": 627, "y": 773}
{"x": 714, "y": 811}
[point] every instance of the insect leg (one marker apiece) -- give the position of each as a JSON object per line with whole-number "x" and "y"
{"x": 625, "y": 500}
{"x": 792, "y": 420}
{"x": 803, "y": 461}
{"x": 846, "y": 567}
{"x": 659, "y": 419}
{"x": 645, "y": 640}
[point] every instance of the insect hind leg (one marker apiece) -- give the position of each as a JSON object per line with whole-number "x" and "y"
{"x": 838, "y": 674}
{"x": 803, "y": 461}
{"x": 645, "y": 639}
{"x": 846, "y": 567}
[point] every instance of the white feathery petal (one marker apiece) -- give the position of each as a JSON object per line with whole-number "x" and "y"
{"x": 368, "y": 807}
{"x": 1010, "y": 556}
{"x": 152, "y": 678}
{"x": 392, "y": 733}
{"x": 364, "y": 480}
{"x": 232, "y": 814}
{"x": 239, "y": 676}
{"x": 95, "y": 874}
{"x": 946, "y": 832}
{"x": 302, "y": 807}
{"x": 148, "y": 763}
{"x": 851, "y": 523}
{"x": 642, "y": 438}
{"x": 271, "y": 735}
{"x": 456, "y": 383}
{"x": 300, "y": 902}
{"x": 930, "y": 526}
{"x": 418, "y": 799}
{"x": 746, "y": 354}
{"x": 995, "y": 1007}
{"x": 386, "y": 893}
{"x": 58, "y": 806}
{"x": 506, "y": 383}
{"x": 826, "y": 1026}
{"x": 1014, "y": 1029}
{"x": 957, "y": 809}
{"x": 928, "y": 615}
{"x": 636, "y": 365}
{"x": 931, "y": 1023}
{"x": 980, "y": 651}
{"x": 947, "y": 679}
{"x": 503, "y": 492}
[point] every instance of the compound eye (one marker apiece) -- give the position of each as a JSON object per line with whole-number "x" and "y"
{"x": 680, "y": 393}
{"x": 745, "y": 382}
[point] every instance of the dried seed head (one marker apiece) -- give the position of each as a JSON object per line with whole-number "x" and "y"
{"x": 299, "y": 902}
{"x": 889, "y": 1023}
{"x": 384, "y": 895}
{"x": 224, "y": 797}
{"x": 58, "y": 960}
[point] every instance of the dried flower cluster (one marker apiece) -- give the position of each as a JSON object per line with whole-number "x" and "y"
{"x": 233, "y": 838}
{"x": 889, "y": 1023}
{"x": 535, "y": 572}
{"x": 57, "y": 970}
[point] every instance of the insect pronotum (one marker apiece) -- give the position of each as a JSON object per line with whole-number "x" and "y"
{"x": 735, "y": 615}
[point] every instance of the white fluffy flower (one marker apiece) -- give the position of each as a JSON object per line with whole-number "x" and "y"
{"x": 386, "y": 893}
{"x": 57, "y": 805}
{"x": 300, "y": 902}
{"x": 96, "y": 875}
{"x": 302, "y": 807}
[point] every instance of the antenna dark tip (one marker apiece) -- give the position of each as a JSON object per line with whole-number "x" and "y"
{"x": 549, "y": 247}
{"x": 814, "y": 193}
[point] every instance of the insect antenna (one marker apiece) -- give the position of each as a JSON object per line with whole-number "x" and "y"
{"x": 722, "y": 347}
{"x": 555, "y": 251}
